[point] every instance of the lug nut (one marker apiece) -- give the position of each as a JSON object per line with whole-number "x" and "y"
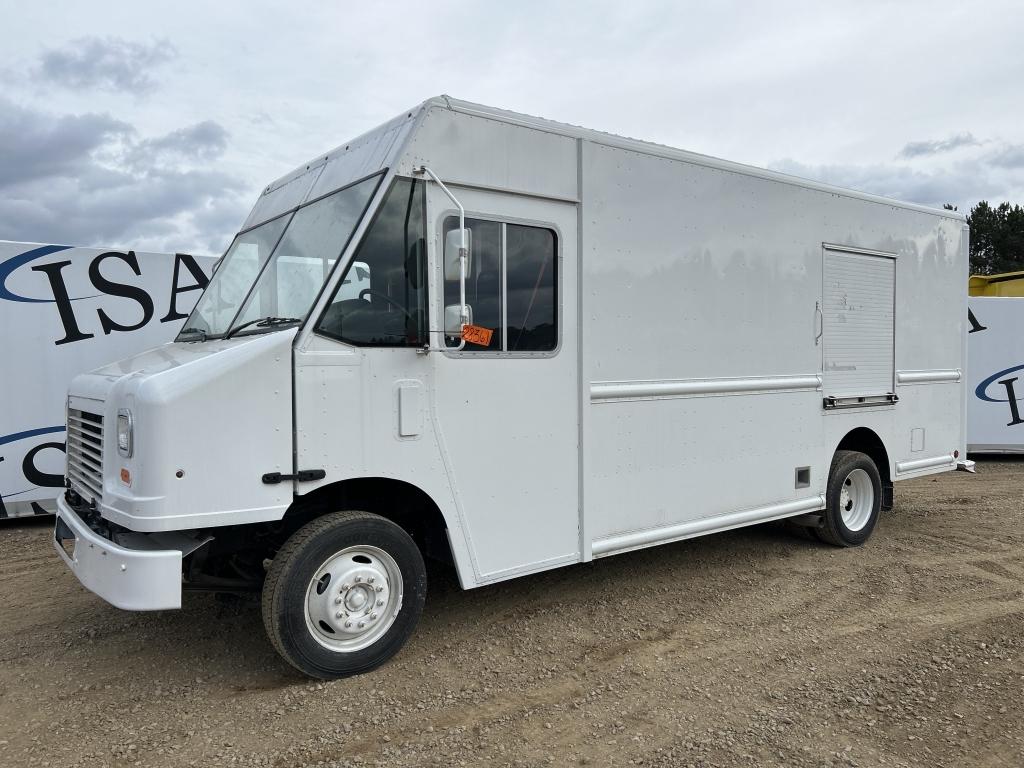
{"x": 358, "y": 579}
{"x": 373, "y": 615}
{"x": 344, "y": 587}
{"x": 370, "y": 580}
{"x": 380, "y": 589}
{"x": 380, "y": 603}
{"x": 348, "y": 623}
{"x": 337, "y": 601}
{"x": 362, "y": 624}
{"x": 339, "y": 615}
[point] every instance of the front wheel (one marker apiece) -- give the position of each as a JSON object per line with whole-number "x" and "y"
{"x": 343, "y": 594}
{"x": 853, "y": 499}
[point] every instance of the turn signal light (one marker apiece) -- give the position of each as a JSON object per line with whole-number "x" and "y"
{"x": 126, "y": 476}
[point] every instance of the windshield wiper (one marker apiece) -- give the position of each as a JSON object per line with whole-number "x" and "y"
{"x": 190, "y": 331}
{"x": 262, "y": 322}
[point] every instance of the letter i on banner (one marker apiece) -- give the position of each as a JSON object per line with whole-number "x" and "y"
{"x": 1012, "y": 397}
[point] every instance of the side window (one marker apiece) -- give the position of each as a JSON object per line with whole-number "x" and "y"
{"x": 530, "y": 287}
{"x": 512, "y": 286}
{"x": 382, "y": 297}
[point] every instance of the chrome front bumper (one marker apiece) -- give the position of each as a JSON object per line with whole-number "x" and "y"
{"x": 136, "y": 578}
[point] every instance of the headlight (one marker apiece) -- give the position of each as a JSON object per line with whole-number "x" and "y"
{"x": 124, "y": 432}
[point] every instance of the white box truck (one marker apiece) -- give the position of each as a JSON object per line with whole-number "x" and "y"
{"x": 515, "y": 344}
{"x": 65, "y": 310}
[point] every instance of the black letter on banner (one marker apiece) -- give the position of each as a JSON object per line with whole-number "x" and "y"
{"x": 60, "y": 296}
{"x": 975, "y": 325}
{"x": 120, "y": 289}
{"x": 1014, "y": 413}
{"x": 201, "y": 281}
{"x": 34, "y": 475}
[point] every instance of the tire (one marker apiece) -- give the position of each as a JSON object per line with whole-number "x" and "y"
{"x": 343, "y": 594}
{"x": 853, "y": 499}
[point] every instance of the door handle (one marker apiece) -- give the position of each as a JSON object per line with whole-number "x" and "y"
{"x": 819, "y": 318}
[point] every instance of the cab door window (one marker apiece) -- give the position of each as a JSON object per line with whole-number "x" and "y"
{"x": 483, "y": 283}
{"x": 531, "y": 299}
{"x": 511, "y": 287}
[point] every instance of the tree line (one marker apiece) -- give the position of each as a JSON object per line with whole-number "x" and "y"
{"x": 997, "y": 238}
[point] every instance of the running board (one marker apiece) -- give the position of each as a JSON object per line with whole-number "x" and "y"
{"x": 637, "y": 539}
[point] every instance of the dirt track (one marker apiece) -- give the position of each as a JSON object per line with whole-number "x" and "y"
{"x": 749, "y": 648}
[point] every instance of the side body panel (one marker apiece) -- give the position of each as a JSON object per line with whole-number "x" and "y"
{"x": 702, "y": 349}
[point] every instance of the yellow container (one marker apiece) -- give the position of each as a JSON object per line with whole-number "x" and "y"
{"x": 1006, "y": 284}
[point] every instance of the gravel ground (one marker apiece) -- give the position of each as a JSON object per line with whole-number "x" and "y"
{"x": 750, "y": 648}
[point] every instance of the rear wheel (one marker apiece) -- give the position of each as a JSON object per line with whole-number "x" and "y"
{"x": 343, "y": 594}
{"x": 853, "y": 500}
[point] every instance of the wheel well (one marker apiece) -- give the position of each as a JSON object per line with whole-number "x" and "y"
{"x": 402, "y": 503}
{"x": 866, "y": 441}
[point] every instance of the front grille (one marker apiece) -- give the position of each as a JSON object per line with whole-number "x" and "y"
{"x": 85, "y": 453}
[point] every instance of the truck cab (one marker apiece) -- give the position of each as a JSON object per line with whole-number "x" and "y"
{"x": 311, "y": 380}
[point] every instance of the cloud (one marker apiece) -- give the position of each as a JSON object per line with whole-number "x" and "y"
{"x": 107, "y": 63}
{"x": 36, "y": 146}
{"x": 924, "y": 148}
{"x": 963, "y": 183}
{"x": 90, "y": 180}
{"x": 1009, "y": 156}
{"x": 201, "y": 142}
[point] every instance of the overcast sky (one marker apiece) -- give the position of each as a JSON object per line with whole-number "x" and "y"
{"x": 154, "y": 125}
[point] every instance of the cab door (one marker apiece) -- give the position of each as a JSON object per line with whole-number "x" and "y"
{"x": 506, "y": 408}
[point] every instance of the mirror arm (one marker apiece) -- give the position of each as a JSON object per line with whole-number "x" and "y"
{"x": 463, "y": 250}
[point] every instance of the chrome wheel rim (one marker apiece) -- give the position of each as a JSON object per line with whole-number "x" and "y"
{"x": 353, "y": 598}
{"x": 856, "y": 500}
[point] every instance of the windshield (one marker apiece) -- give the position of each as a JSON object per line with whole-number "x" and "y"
{"x": 275, "y": 270}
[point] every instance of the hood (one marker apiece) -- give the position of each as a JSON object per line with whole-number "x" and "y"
{"x": 208, "y": 420}
{"x": 97, "y": 384}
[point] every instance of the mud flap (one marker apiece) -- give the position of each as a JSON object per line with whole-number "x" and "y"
{"x": 887, "y": 496}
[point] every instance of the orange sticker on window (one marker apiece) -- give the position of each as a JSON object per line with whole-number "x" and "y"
{"x": 475, "y": 334}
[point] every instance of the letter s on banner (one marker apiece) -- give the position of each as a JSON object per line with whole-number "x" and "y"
{"x": 111, "y": 288}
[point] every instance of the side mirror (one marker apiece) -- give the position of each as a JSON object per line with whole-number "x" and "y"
{"x": 453, "y": 319}
{"x": 452, "y": 243}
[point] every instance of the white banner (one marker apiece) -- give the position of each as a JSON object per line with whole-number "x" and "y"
{"x": 995, "y": 374}
{"x": 64, "y": 311}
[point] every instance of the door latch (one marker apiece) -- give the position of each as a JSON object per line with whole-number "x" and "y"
{"x": 302, "y": 476}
